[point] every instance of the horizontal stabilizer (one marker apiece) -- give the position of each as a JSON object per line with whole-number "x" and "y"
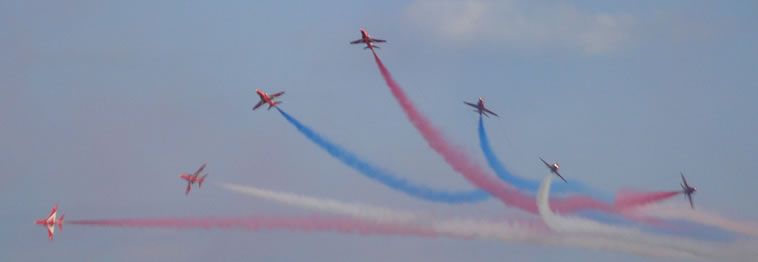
{"x": 200, "y": 182}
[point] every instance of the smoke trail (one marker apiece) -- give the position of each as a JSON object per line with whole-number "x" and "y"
{"x": 686, "y": 248}
{"x": 523, "y": 183}
{"x": 260, "y": 223}
{"x": 511, "y": 230}
{"x": 384, "y": 176}
{"x": 362, "y": 211}
{"x": 631, "y": 199}
{"x": 520, "y": 232}
{"x": 625, "y": 199}
{"x": 460, "y": 162}
{"x": 671, "y": 211}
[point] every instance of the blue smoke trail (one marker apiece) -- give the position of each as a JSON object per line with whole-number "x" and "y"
{"x": 530, "y": 185}
{"x": 384, "y": 176}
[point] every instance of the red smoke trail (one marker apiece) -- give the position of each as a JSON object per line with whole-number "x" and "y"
{"x": 460, "y": 162}
{"x": 629, "y": 198}
{"x": 258, "y": 223}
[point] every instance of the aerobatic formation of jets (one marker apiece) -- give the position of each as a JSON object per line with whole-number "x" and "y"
{"x": 265, "y": 98}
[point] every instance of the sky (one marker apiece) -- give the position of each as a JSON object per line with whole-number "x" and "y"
{"x": 104, "y": 103}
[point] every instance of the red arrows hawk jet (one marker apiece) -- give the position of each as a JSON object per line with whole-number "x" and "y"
{"x": 480, "y": 108}
{"x": 366, "y": 38}
{"x": 687, "y": 190}
{"x": 265, "y": 98}
{"x": 553, "y": 169}
{"x": 191, "y": 179}
{"x": 50, "y": 222}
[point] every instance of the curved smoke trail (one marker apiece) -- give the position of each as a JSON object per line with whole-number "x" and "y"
{"x": 685, "y": 248}
{"x": 384, "y": 176}
{"x": 461, "y": 163}
{"x": 523, "y": 183}
{"x": 261, "y": 223}
{"x": 625, "y": 199}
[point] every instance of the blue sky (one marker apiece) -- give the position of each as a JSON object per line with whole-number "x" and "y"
{"x": 103, "y": 104}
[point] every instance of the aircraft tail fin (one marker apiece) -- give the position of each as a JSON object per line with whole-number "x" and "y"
{"x": 200, "y": 182}
{"x": 60, "y": 226}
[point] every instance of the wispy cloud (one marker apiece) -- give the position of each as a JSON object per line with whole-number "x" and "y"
{"x": 523, "y": 24}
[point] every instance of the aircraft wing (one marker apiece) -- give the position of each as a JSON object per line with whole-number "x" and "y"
{"x": 559, "y": 175}
{"x": 690, "y": 198}
{"x": 378, "y": 40}
{"x": 189, "y": 187}
{"x": 52, "y": 213}
{"x": 488, "y": 111}
{"x": 470, "y": 104}
{"x": 259, "y": 104}
{"x": 199, "y": 170}
{"x": 543, "y": 161}
{"x": 50, "y": 231}
{"x": 357, "y": 41}
{"x": 684, "y": 180}
{"x": 275, "y": 95}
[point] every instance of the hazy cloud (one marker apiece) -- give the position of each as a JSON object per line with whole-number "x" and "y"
{"x": 524, "y": 24}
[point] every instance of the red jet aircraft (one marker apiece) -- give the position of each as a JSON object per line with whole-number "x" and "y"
{"x": 480, "y": 108}
{"x": 553, "y": 169}
{"x": 265, "y": 98}
{"x": 366, "y": 38}
{"x": 50, "y": 222}
{"x": 688, "y": 190}
{"x": 191, "y": 179}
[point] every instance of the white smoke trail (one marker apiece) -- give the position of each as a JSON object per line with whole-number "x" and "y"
{"x": 644, "y": 242}
{"x": 671, "y": 211}
{"x": 514, "y": 231}
{"x": 363, "y": 211}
